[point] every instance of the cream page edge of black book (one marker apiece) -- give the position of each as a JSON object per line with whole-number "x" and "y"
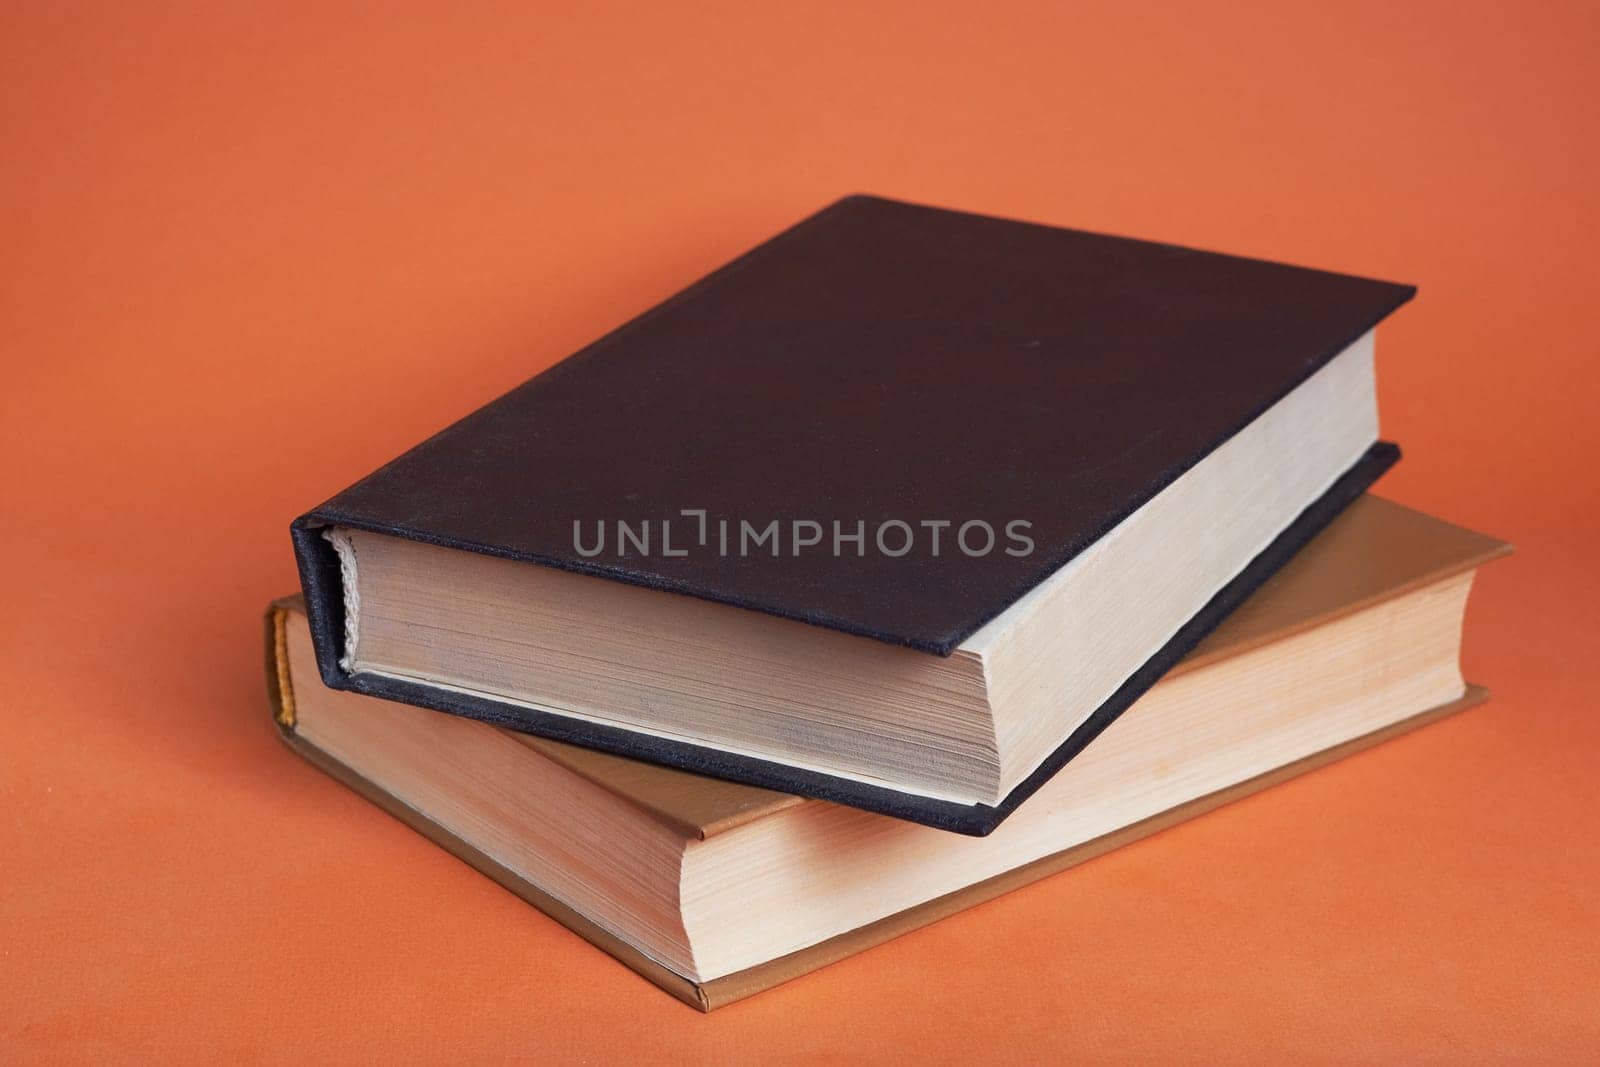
{"x": 987, "y": 715}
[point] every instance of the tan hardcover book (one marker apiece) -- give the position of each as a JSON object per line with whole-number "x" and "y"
{"x": 716, "y": 891}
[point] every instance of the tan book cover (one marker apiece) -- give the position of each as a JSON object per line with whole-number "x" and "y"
{"x": 1375, "y": 551}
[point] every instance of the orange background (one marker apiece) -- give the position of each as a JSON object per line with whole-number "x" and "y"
{"x": 251, "y": 251}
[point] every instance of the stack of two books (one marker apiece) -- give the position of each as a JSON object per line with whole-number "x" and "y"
{"x": 908, "y": 558}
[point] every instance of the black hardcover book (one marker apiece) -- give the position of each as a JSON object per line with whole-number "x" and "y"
{"x": 898, "y": 510}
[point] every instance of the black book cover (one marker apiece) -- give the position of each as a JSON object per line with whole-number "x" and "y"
{"x": 879, "y": 361}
